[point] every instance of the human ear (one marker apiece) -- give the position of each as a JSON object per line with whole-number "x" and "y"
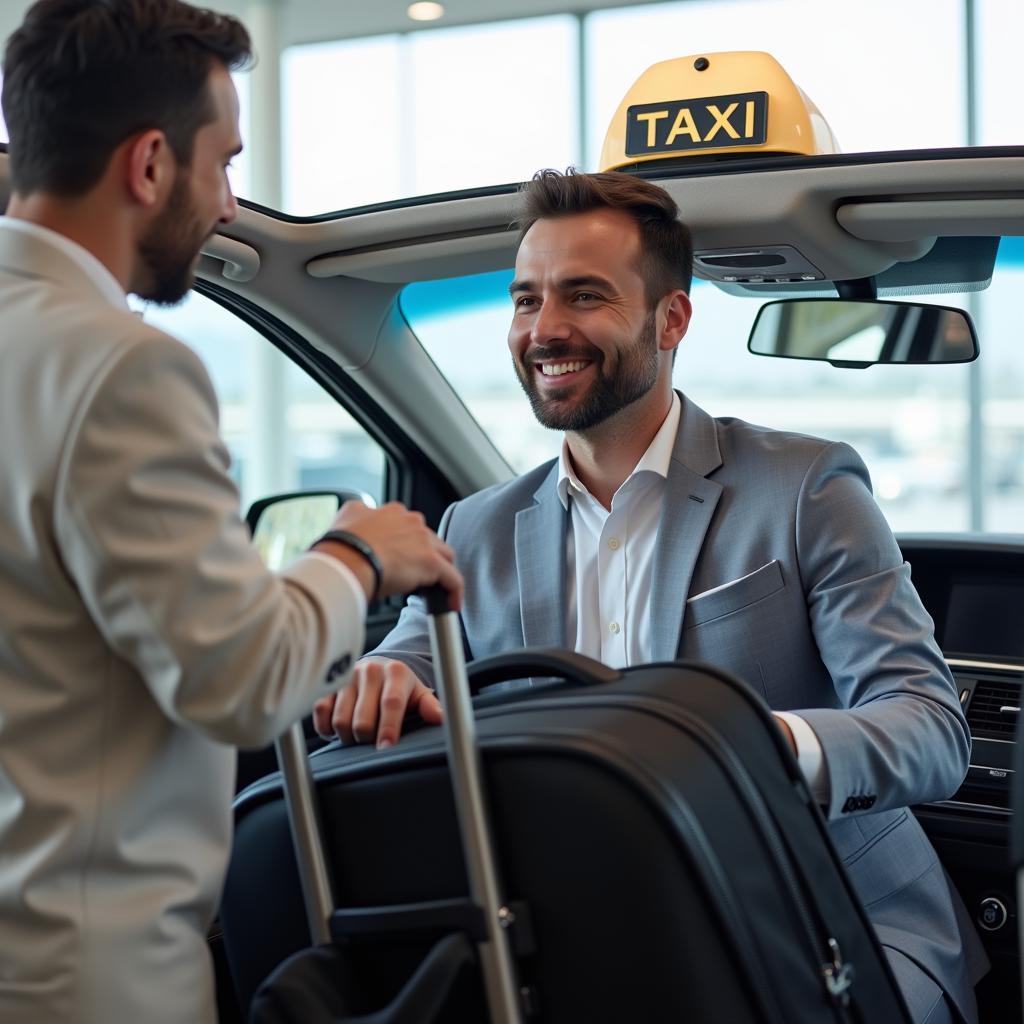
{"x": 148, "y": 158}
{"x": 675, "y": 319}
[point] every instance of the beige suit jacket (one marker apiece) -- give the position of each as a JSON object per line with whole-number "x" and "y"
{"x": 141, "y": 638}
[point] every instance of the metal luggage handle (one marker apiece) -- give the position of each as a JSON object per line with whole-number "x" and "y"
{"x": 495, "y": 952}
{"x": 307, "y": 832}
{"x": 539, "y": 661}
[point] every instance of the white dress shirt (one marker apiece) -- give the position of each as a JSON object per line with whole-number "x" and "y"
{"x": 610, "y": 566}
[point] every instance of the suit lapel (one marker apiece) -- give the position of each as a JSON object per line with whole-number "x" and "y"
{"x": 686, "y": 513}
{"x": 540, "y": 555}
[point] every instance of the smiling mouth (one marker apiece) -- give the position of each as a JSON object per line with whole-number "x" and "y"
{"x": 561, "y": 369}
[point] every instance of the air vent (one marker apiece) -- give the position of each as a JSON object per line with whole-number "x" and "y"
{"x": 993, "y": 711}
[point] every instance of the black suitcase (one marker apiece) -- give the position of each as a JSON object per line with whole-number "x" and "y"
{"x": 659, "y": 859}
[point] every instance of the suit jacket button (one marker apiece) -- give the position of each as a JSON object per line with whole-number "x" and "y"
{"x": 870, "y": 801}
{"x": 849, "y": 805}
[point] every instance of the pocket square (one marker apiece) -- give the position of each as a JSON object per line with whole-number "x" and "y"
{"x": 731, "y": 583}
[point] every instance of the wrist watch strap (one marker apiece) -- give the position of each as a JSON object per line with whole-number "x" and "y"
{"x": 360, "y": 546}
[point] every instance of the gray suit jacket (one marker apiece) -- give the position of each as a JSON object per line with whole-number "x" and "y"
{"x": 774, "y": 562}
{"x": 140, "y": 637}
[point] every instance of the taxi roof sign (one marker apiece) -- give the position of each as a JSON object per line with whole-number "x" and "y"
{"x": 718, "y": 103}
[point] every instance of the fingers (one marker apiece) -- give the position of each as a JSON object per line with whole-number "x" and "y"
{"x": 451, "y": 579}
{"x": 341, "y": 720}
{"x": 363, "y": 720}
{"x": 323, "y": 711}
{"x": 399, "y": 686}
{"x": 425, "y": 703}
{"x": 372, "y": 707}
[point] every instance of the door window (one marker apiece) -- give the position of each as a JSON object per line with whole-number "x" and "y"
{"x": 284, "y": 431}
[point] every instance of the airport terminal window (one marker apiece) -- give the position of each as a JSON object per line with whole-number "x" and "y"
{"x": 923, "y": 76}
{"x": 997, "y": 58}
{"x": 448, "y": 108}
{"x": 910, "y": 423}
{"x": 284, "y": 431}
{"x": 1002, "y": 369}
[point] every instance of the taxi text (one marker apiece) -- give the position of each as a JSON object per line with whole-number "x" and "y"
{"x": 711, "y": 122}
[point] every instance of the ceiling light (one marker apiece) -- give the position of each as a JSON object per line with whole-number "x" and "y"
{"x": 425, "y": 11}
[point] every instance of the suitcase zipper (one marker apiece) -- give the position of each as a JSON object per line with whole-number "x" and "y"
{"x": 835, "y": 973}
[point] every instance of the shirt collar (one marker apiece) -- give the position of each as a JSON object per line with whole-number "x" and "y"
{"x": 656, "y": 459}
{"x": 97, "y": 273}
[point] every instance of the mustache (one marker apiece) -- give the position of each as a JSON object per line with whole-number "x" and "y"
{"x": 563, "y": 353}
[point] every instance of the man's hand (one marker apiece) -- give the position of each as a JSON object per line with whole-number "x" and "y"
{"x": 411, "y": 555}
{"x": 372, "y": 705}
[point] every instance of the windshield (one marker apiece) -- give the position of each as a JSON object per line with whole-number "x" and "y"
{"x": 915, "y": 426}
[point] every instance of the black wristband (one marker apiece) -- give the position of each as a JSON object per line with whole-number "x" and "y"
{"x": 360, "y": 546}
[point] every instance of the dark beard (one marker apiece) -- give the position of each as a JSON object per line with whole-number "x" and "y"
{"x": 636, "y": 374}
{"x": 169, "y": 247}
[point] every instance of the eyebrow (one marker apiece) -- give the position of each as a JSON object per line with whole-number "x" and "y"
{"x": 566, "y": 284}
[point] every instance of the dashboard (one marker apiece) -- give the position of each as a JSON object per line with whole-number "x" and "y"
{"x": 973, "y": 587}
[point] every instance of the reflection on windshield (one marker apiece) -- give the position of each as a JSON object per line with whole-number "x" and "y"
{"x": 909, "y": 423}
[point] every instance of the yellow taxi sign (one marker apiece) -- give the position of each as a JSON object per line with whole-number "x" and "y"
{"x": 714, "y": 103}
{"x": 712, "y": 121}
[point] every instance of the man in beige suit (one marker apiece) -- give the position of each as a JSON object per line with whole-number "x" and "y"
{"x": 141, "y": 637}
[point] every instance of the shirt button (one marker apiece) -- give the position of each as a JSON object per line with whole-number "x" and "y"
{"x": 614, "y": 627}
{"x": 614, "y": 543}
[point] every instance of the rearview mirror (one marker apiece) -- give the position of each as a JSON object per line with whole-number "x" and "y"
{"x": 856, "y": 334}
{"x": 285, "y": 525}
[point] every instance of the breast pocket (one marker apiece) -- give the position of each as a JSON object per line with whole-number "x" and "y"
{"x": 732, "y": 597}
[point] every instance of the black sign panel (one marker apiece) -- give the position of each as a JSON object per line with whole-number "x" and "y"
{"x": 711, "y": 122}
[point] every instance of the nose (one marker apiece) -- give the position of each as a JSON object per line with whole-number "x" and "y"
{"x": 230, "y": 208}
{"x": 550, "y": 323}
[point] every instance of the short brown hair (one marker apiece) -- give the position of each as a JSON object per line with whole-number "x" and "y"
{"x": 667, "y": 253}
{"x": 81, "y": 76}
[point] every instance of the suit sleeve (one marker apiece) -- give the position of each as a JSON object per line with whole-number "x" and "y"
{"x": 899, "y": 736}
{"x": 147, "y": 520}
{"x": 409, "y": 641}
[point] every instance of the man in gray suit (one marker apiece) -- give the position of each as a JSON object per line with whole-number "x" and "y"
{"x": 141, "y": 637}
{"x": 662, "y": 532}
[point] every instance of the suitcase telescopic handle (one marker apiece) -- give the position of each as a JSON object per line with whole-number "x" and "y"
{"x": 464, "y": 766}
{"x": 304, "y": 818}
{"x": 307, "y": 832}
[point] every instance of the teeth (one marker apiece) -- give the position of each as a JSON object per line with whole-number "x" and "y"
{"x": 557, "y": 369}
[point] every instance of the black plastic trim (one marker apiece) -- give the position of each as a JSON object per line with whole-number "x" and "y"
{"x": 658, "y": 170}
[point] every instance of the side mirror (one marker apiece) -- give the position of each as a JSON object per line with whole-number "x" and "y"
{"x": 857, "y": 334}
{"x": 285, "y": 525}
